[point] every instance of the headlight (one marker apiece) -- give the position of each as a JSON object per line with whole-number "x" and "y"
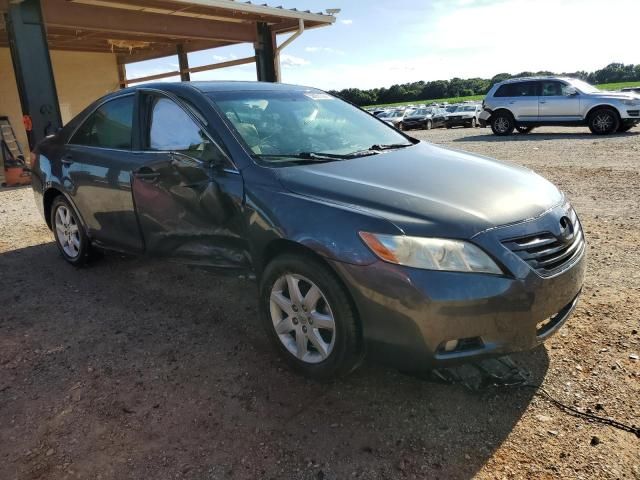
{"x": 430, "y": 253}
{"x": 631, "y": 102}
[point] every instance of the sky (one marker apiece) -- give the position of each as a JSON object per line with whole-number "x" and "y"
{"x": 378, "y": 43}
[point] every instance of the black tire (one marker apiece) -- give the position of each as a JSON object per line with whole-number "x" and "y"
{"x": 428, "y": 125}
{"x": 60, "y": 204}
{"x": 471, "y": 124}
{"x": 502, "y": 123}
{"x": 625, "y": 128}
{"x": 604, "y": 121}
{"x": 523, "y": 129}
{"x": 346, "y": 353}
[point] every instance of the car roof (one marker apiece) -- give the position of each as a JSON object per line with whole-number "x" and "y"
{"x": 223, "y": 86}
{"x": 540, "y": 77}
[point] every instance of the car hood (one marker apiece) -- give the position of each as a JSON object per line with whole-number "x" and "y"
{"x": 428, "y": 190}
{"x": 616, "y": 95}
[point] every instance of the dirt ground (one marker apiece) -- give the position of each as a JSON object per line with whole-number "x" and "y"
{"x": 138, "y": 369}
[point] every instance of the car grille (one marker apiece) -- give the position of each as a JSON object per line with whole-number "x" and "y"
{"x": 455, "y": 118}
{"x": 548, "y": 254}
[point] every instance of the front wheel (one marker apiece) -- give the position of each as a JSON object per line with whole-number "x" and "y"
{"x": 71, "y": 239}
{"x": 309, "y": 317}
{"x": 604, "y": 121}
{"x": 502, "y": 124}
{"x": 428, "y": 125}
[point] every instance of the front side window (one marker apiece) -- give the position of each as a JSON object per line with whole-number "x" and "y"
{"x": 109, "y": 126}
{"x": 288, "y": 123}
{"x": 555, "y": 89}
{"x": 172, "y": 129}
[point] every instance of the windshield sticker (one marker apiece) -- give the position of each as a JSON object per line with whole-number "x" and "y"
{"x": 318, "y": 96}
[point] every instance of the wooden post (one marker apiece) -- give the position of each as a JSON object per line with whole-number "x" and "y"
{"x": 183, "y": 62}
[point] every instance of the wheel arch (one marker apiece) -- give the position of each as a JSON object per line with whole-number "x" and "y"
{"x": 599, "y": 106}
{"x": 48, "y": 197}
{"x": 501, "y": 110}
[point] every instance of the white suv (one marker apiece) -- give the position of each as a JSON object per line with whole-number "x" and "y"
{"x": 524, "y": 103}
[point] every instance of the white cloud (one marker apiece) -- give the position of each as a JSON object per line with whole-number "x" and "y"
{"x": 287, "y": 60}
{"x": 346, "y": 21}
{"x": 324, "y": 50}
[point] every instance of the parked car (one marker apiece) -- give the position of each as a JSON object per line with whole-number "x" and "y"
{"x": 425, "y": 118}
{"x": 395, "y": 117}
{"x": 464, "y": 115}
{"x": 524, "y": 103}
{"x": 363, "y": 239}
{"x": 631, "y": 89}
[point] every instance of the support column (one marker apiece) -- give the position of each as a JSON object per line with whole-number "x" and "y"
{"x": 32, "y": 68}
{"x": 122, "y": 75}
{"x": 265, "y": 48}
{"x": 183, "y": 62}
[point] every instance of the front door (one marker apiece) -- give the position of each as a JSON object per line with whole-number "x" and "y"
{"x": 189, "y": 201}
{"x": 96, "y": 167}
{"x": 558, "y": 102}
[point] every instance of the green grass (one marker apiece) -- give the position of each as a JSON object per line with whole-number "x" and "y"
{"x": 604, "y": 86}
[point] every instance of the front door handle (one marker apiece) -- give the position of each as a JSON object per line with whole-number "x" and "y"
{"x": 67, "y": 160}
{"x": 543, "y": 101}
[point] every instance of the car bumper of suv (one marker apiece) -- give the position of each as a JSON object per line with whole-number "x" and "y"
{"x": 483, "y": 118}
{"x": 415, "y": 319}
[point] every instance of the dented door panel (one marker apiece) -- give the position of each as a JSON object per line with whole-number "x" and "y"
{"x": 190, "y": 211}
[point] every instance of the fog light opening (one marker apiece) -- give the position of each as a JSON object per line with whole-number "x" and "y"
{"x": 461, "y": 345}
{"x": 450, "y": 346}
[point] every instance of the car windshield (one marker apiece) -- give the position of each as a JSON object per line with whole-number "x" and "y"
{"x": 467, "y": 108}
{"x": 420, "y": 112}
{"x": 303, "y": 124}
{"x": 451, "y": 108}
{"x": 583, "y": 86}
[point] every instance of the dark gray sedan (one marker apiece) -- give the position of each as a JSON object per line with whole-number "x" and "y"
{"x": 364, "y": 240}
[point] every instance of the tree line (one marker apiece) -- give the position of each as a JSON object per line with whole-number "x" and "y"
{"x": 459, "y": 87}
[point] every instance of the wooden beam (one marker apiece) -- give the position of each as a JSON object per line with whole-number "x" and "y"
{"x": 60, "y": 13}
{"x": 161, "y": 51}
{"x": 203, "y": 68}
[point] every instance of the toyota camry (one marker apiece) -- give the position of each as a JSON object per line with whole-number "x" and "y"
{"x": 365, "y": 242}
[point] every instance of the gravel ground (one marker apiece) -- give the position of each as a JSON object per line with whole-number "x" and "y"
{"x": 132, "y": 368}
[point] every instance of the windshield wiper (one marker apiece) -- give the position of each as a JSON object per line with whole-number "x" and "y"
{"x": 390, "y": 146}
{"x": 319, "y": 156}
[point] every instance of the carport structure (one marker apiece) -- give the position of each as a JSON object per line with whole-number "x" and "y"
{"x": 70, "y": 46}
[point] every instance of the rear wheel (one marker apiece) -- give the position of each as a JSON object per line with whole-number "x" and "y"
{"x": 309, "y": 317}
{"x": 502, "y": 123}
{"x": 71, "y": 239}
{"x": 604, "y": 121}
{"x": 523, "y": 129}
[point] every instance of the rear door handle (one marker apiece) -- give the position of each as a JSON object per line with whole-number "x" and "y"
{"x": 543, "y": 101}
{"x": 146, "y": 173}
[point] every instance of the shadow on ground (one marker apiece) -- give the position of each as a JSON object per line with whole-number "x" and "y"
{"x": 541, "y": 136}
{"x": 132, "y": 368}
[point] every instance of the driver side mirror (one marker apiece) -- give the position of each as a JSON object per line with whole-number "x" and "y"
{"x": 570, "y": 91}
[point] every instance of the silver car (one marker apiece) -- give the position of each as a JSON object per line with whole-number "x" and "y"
{"x": 524, "y": 103}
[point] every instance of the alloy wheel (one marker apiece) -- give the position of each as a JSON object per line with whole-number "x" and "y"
{"x": 302, "y": 318}
{"x": 502, "y": 124}
{"x": 67, "y": 231}
{"x": 603, "y": 122}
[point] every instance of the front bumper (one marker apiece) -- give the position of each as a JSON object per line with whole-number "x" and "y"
{"x": 409, "y": 314}
{"x": 458, "y": 121}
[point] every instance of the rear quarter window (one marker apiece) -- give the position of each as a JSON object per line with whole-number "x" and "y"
{"x": 521, "y": 89}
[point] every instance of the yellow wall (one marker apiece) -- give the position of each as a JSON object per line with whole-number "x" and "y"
{"x": 80, "y": 78}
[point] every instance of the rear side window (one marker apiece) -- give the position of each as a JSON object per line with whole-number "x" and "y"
{"x": 520, "y": 89}
{"x": 110, "y": 126}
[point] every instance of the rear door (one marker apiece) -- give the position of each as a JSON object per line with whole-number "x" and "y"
{"x": 96, "y": 172}
{"x": 188, "y": 193}
{"x": 521, "y": 99}
{"x": 557, "y": 103}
